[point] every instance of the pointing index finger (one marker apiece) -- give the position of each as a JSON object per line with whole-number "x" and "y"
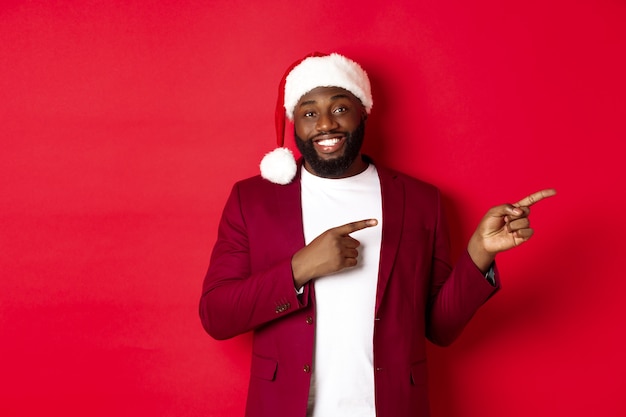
{"x": 535, "y": 197}
{"x": 354, "y": 226}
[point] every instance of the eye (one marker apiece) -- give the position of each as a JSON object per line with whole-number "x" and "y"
{"x": 309, "y": 114}
{"x": 340, "y": 109}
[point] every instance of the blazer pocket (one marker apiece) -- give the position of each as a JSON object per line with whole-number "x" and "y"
{"x": 419, "y": 373}
{"x": 264, "y": 368}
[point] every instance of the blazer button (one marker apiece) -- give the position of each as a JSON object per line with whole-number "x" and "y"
{"x": 306, "y": 368}
{"x": 309, "y": 320}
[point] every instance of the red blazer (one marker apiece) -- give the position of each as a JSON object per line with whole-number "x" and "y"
{"x": 249, "y": 286}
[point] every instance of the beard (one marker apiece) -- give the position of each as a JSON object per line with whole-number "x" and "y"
{"x": 334, "y": 167}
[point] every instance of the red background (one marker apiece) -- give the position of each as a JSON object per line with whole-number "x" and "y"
{"x": 124, "y": 125}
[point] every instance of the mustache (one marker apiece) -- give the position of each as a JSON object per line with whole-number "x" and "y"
{"x": 330, "y": 132}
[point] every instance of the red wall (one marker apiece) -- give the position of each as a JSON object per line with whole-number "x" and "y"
{"x": 124, "y": 124}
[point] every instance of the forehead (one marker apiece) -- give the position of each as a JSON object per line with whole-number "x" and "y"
{"x": 321, "y": 94}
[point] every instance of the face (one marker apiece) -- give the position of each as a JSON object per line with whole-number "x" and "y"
{"x": 329, "y": 129}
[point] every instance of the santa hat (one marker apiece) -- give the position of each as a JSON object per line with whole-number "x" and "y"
{"x": 314, "y": 70}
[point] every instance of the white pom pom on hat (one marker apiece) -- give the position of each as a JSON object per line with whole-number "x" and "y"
{"x": 279, "y": 166}
{"x": 314, "y": 70}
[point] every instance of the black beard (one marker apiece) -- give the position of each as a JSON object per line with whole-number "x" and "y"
{"x": 335, "y": 167}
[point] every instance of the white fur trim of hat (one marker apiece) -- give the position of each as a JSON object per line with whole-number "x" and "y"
{"x": 333, "y": 70}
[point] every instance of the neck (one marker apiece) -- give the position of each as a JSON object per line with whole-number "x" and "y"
{"x": 359, "y": 165}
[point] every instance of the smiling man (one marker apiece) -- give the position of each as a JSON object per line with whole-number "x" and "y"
{"x": 341, "y": 267}
{"x": 329, "y": 132}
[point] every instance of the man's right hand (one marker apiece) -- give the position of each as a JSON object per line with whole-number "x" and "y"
{"x": 330, "y": 252}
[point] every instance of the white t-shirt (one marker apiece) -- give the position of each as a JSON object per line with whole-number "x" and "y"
{"x": 342, "y": 382}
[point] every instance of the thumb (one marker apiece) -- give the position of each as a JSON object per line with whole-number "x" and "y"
{"x": 505, "y": 210}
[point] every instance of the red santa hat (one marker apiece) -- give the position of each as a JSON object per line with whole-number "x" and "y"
{"x": 314, "y": 70}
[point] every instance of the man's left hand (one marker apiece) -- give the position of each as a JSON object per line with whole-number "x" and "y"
{"x": 502, "y": 228}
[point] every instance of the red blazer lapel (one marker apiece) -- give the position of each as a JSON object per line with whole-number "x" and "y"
{"x": 288, "y": 203}
{"x": 393, "y": 217}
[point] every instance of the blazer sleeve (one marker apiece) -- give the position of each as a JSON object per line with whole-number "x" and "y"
{"x": 455, "y": 294}
{"x": 235, "y": 298}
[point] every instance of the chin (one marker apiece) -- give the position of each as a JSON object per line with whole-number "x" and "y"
{"x": 333, "y": 166}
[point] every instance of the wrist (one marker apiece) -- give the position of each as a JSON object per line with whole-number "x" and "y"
{"x": 482, "y": 258}
{"x": 298, "y": 272}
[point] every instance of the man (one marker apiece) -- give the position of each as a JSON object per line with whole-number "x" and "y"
{"x": 341, "y": 267}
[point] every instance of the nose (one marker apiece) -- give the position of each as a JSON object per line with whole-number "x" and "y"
{"x": 326, "y": 122}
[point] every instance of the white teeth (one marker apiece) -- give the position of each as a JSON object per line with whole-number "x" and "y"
{"x": 328, "y": 142}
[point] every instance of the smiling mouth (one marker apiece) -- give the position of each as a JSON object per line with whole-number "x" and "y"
{"x": 328, "y": 142}
{"x": 329, "y": 146}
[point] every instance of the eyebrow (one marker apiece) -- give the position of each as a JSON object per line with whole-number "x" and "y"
{"x": 335, "y": 97}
